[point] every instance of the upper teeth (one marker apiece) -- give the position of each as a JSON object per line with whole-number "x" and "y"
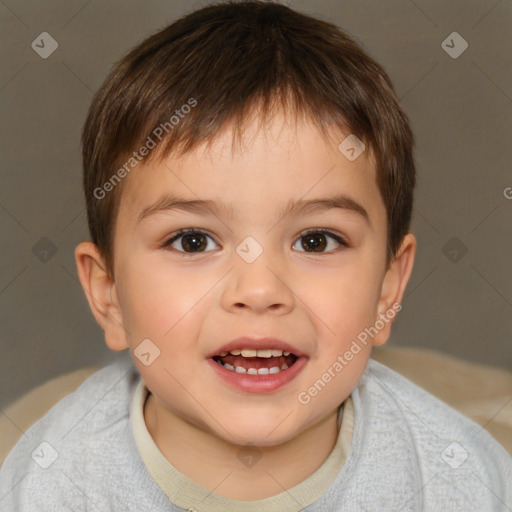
{"x": 249, "y": 352}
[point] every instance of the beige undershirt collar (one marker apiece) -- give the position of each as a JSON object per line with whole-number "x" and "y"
{"x": 187, "y": 494}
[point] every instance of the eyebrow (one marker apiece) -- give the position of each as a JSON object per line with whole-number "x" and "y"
{"x": 292, "y": 208}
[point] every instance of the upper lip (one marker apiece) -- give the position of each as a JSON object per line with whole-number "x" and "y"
{"x": 257, "y": 343}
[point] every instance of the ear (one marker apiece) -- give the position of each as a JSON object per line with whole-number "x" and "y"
{"x": 101, "y": 293}
{"x": 393, "y": 287}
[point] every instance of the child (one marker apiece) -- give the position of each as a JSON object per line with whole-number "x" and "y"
{"x": 249, "y": 179}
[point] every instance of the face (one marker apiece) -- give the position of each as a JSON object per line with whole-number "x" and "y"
{"x": 285, "y": 247}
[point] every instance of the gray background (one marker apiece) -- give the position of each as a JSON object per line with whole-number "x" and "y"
{"x": 459, "y": 299}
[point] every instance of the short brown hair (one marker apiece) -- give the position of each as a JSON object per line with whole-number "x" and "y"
{"x": 230, "y": 58}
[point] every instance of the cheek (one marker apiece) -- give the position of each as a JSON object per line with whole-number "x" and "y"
{"x": 347, "y": 301}
{"x": 164, "y": 306}
{"x": 156, "y": 301}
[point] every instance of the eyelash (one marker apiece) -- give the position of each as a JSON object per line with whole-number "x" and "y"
{"x": 182, "y": 232}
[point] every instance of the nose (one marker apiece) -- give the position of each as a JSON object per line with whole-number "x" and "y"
{"x": 259, "y": 287}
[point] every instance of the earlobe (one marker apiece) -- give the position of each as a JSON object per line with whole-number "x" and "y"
{"x": 100, "y": 291}
{"x": 393, "y": 287}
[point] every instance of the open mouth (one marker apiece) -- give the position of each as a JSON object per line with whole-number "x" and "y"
{"x": 256, "y": 362}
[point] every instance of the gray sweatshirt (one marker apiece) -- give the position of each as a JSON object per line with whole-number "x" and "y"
{"x": 409, "y": 452}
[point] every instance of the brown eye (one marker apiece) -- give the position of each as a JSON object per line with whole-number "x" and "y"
{"x": 195, "y": 242}
{"x": 315, "y": 241}
{"x": 319, "y": 241}
{"x": 191, "y": 241}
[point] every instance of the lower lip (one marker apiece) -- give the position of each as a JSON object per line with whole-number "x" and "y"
{"x": 259, "y": 383}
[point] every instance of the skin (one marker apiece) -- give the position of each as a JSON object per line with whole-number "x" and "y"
{"x": 191, "y": 304}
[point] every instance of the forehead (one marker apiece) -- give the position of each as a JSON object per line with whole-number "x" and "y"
{"x": 277, "y": 163}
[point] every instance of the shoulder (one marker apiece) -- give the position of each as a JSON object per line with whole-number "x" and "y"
{"x": 420, "y": 407}
{"x": 454, "y": 455}
{"x": 74, "y": 439}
